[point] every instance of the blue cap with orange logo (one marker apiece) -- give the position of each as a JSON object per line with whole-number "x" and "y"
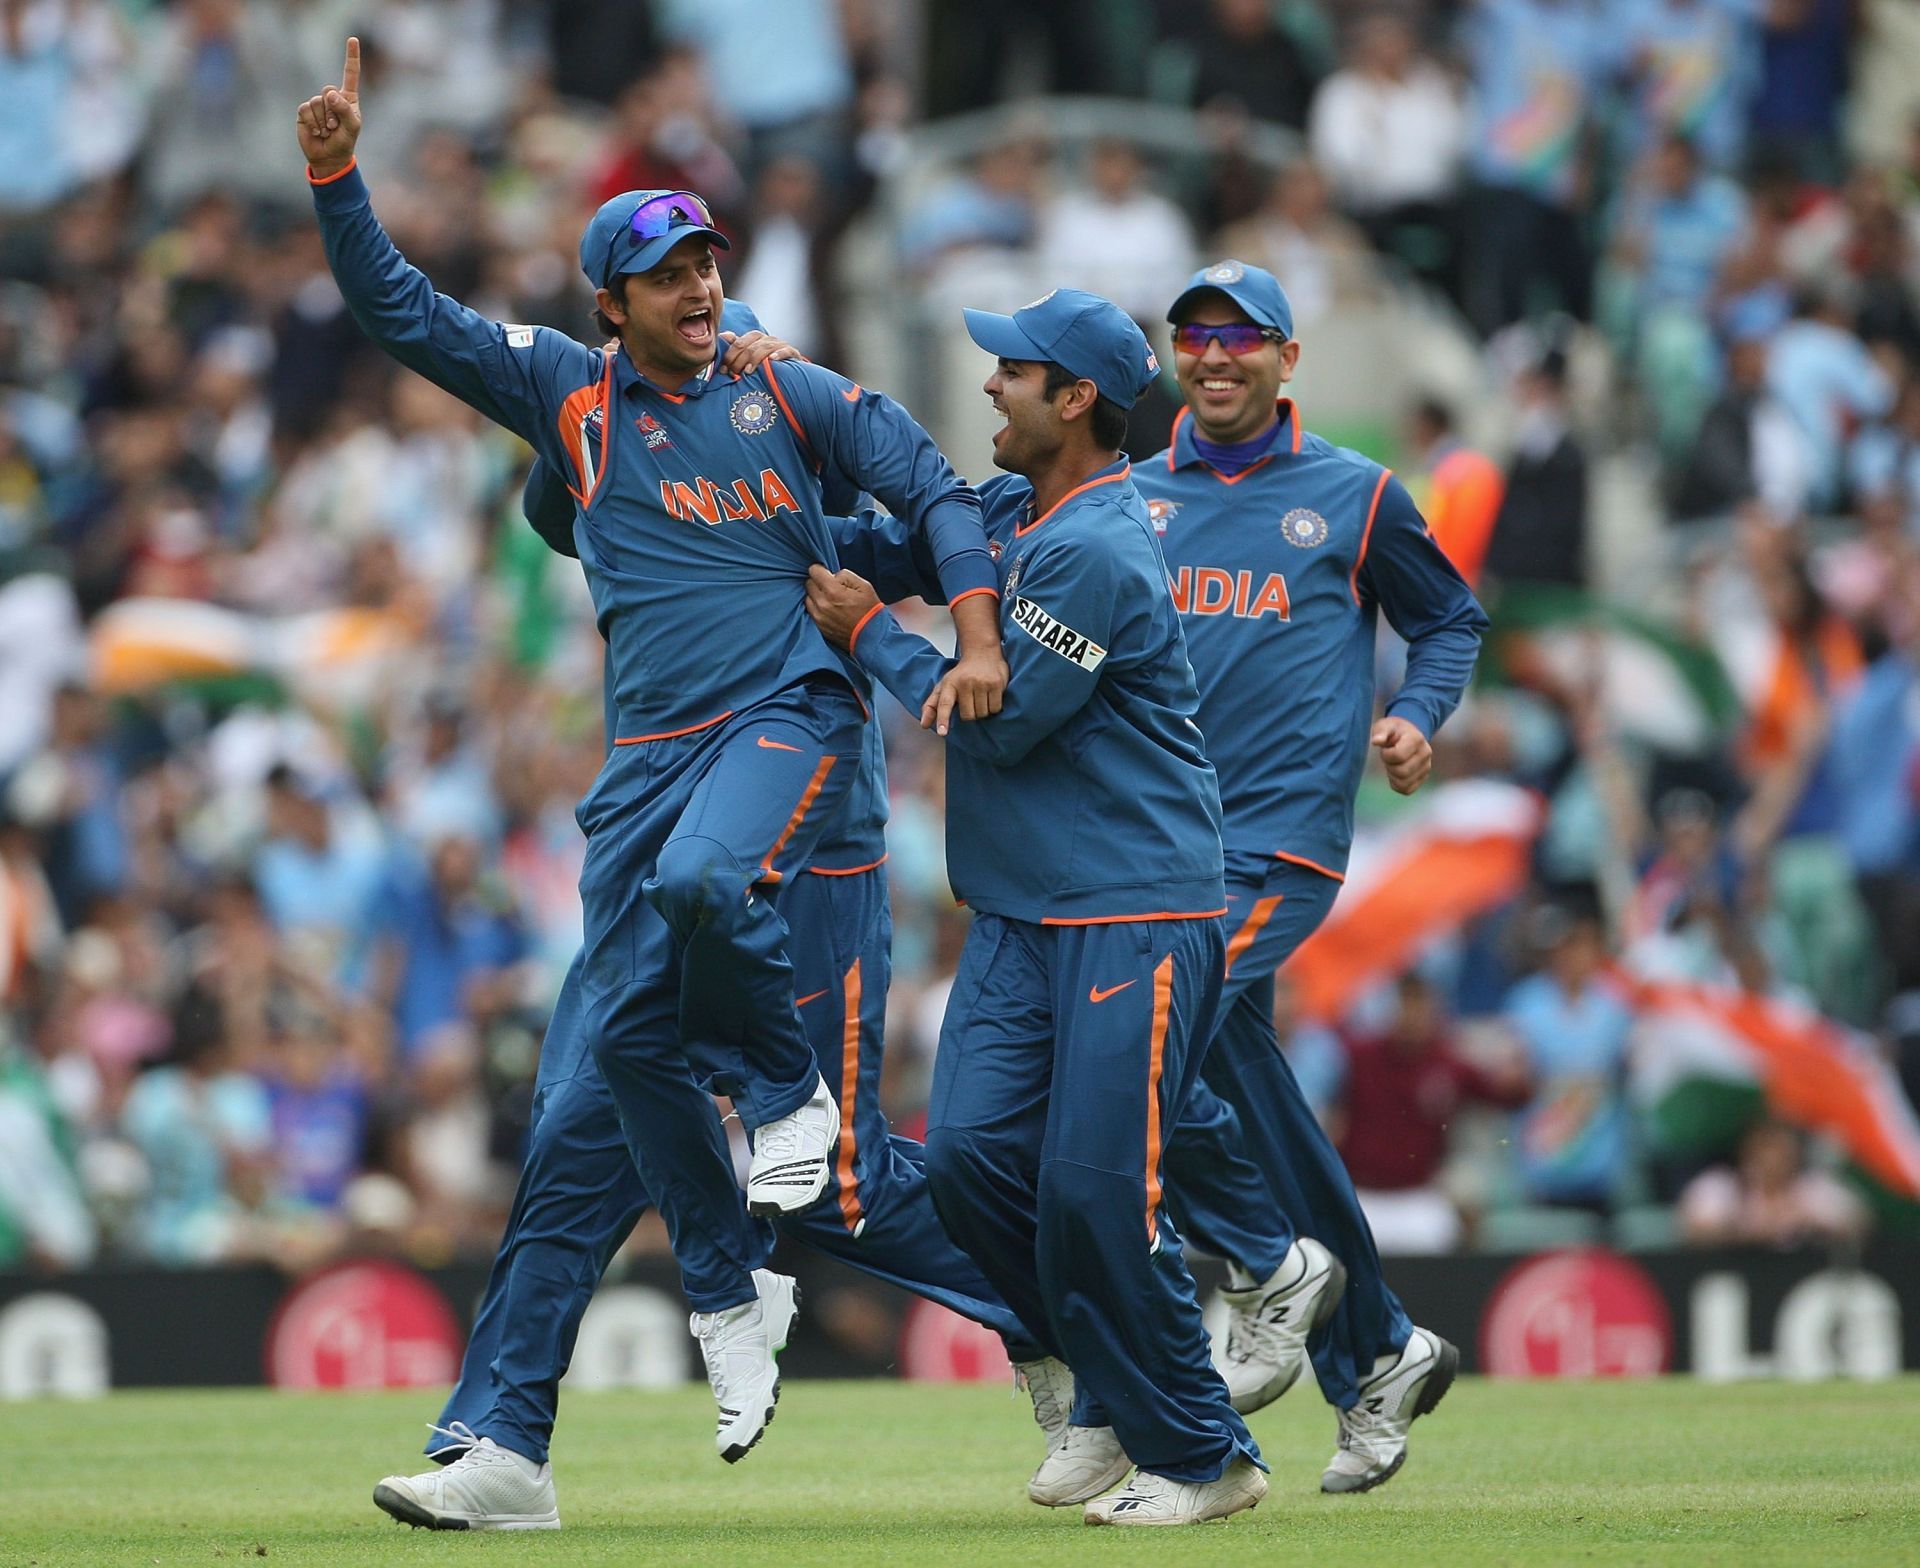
{"x": 636, "y": 229}
{"x": 1087, "y": 336}
{"x": 1254, "y": 289}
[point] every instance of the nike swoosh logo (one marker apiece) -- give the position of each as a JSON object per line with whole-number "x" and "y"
{"x": 776, "y": 745}
{"x": 1095, "y": 994}
{"x": 801, "y": 1001}
{"x": 852, "y": 394}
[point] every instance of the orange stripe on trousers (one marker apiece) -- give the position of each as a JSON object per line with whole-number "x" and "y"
{"x": 1243, "y": 938}
{"x": 850, "y": 1100}
{"x": 1156, "y": 1057}
{"x": 807, "y": 798}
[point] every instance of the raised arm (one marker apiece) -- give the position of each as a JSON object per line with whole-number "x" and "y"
{"x": 509, "y": 373}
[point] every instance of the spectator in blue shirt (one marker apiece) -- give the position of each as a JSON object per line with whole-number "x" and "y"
{"x": 318, "y": 870}
{"x": 447, "y": 947}
{"x": 1574, "y": 1029}
{"x": 1692, "y": 68}
{"x": 1535, "y": 67}
{"x": 1678, "y": 224}
{"x": 1828, "y": 380}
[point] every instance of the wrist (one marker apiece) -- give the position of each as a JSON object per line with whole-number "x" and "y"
{"x": 326, "y": 172}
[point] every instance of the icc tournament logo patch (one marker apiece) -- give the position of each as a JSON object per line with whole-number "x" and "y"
{"x": 994, "y": 547}
{"x": 1013, "y": 577}
{"x": 752, "y": 414}
{"x": 1303, "y": 528}
{"x": 653, "y": 432}
{"x": 1225, "y": 272}
{"x": 1160, "y": 513}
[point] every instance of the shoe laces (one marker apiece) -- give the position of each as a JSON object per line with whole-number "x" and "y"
{"x": 460, "y": 1432}
{"x": 1251, "y": 1332}
{"x": 1043, "y": 1387}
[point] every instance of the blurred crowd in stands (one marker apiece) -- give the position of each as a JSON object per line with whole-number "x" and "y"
{"x": 294, "y": 710}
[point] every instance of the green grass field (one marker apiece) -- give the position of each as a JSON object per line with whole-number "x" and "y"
{"x": 869, "y": 1473}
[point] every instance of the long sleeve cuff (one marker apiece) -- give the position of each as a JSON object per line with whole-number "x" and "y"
{"x": 339, "y": 192}
{"x": 1417, "y": 712}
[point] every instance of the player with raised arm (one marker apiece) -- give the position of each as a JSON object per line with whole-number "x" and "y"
{"x": 1282, "y": 551}
{"x": 1083, "y": 830}
{"x": 580, "y": 1196}
{"x": 737, "y": 728}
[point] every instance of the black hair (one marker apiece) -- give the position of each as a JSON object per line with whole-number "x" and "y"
{"x": 617, "y": 287}
{"x": 1109, "y": 418}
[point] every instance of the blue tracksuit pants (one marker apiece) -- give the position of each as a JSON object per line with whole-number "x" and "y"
{"x": 1249, "y": 1161}
{"x": 1066, "y": 1053}
{"x": 687, "y": 835}
{"x": 580, "y": 1194}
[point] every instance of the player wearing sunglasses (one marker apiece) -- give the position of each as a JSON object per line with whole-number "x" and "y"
{"x": 738, "y": 731}
{"x": 1282, "y": 551}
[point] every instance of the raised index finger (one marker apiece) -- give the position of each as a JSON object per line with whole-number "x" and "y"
{"x": 350, "y": 72}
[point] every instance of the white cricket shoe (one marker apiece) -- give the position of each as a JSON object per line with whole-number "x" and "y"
{"x": 486, "y": 1488}
{"x": 1373, "y": 1434}
{"x": 1154, "y": 1499}
{"x": 1085, "y": 1462}
{"x": 793, "y": 1157}
{"x": 1049, "y": 1384}
{"x": 1270, "y": 1322}
{"x": 741, "y": 1347}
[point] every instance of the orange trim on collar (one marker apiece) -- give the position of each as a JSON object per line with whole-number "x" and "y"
{"x": 1126, "y": 472}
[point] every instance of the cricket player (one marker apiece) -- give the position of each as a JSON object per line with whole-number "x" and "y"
{"x": 1083, "y": 831}
{"x": 1282, "y": 551}
{"x": 580, "y": 1196}
{"x": 737, "y": 728}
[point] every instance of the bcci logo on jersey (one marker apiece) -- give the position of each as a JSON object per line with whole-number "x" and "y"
{"x": 1160, "y": 513}
{"x": 1304, "y": 528}
{"x": 752, "y": 414}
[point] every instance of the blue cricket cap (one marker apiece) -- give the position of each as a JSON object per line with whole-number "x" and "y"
{"x": 1091, "y": 338}
{"x": 634, "y": 230}
{"x": 1254, "y": 289}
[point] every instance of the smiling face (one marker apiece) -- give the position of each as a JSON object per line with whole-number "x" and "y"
{"x": 1034, "y": 431}
{"x": 669, "y": 317}
{"x": 1231, "y": 396}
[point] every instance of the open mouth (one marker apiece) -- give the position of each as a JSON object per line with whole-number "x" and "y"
{"x": 1219, "y": 386}
{"x": 696, "y": 327}
{"x": 1005, "y": 421}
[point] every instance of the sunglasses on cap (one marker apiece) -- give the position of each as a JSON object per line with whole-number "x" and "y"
{"x": 1236, "y": 337}
{"x": 660, "y": 215}
{"x": 674, "y": 210}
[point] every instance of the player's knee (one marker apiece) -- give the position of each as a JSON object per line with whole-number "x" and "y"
{"x": 694, "y": 880}
{"x": 957, "y": 1169}
{"x": 1077, "y": 1202}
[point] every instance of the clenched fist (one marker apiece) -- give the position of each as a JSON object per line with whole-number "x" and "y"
{"x": 329, "y": 124}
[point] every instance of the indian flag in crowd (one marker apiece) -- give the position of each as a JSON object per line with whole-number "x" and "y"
{"x": 1654, "y": 685}
{"x": 1463, "y": 849}
{"x": 138, "y": 645}
{"x": 1706, "y": 1055}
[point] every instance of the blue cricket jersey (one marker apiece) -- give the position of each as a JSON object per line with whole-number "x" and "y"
{"x": 1279, "y": 573}
{"x": 1088, "y": 797}
{"x": 858, "y": 839}
{"x": 697, "y": 508}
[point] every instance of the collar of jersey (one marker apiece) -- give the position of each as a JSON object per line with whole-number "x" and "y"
{"x": 1106, "y": 476}
{"x": 1181, "y": 452}
{"x": 628, "y": 377}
